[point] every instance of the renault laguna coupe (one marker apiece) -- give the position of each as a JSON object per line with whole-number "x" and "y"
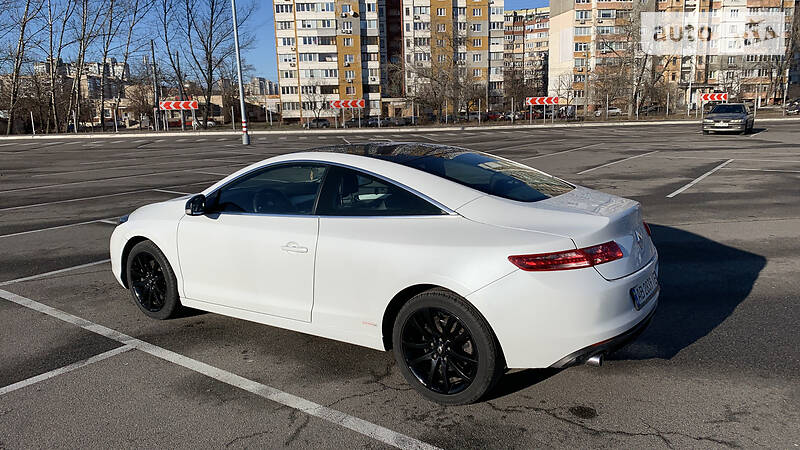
{"x": 463, "y": 263}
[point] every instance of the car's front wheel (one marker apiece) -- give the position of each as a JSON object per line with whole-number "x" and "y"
{"x": 445, "y": 349}
{"x": 152, "y": 282}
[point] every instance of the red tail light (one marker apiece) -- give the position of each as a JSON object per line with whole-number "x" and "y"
{"x": 647, "y": 228}
{"x": 568, "y": 259}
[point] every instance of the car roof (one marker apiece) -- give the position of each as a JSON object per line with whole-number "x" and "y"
{"x": 377, "y": 158}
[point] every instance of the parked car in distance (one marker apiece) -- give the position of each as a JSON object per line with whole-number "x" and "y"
{"x": 494, "y": 115}
{"x": 729, "y": 117}
{"x": 399, "y": 121}
{"x": 354, "y": 122}
{"x": 320, "y": 122}
{"x": 199, "y": 123}
{"x": 612, "y": 111}
{"x": 461, "y": 263}
{"x": 382, "y": 121}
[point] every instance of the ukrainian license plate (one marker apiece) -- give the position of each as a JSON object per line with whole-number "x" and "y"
{"x": 722, "y": 124}
{"x": 645, "y": 291}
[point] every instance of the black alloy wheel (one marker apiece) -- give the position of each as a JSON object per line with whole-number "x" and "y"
{"x": 148, "y": 283}
{"x": 445, "y": 349}
{"x": 439, "y": 351}
{"x": 151, "y": 281}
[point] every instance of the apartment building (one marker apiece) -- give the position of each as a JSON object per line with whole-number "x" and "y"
{"x": 466, "y": 32}
{"x": 587, "y": 38}
{"x": 330, "y": 50}
{"x": 527, "y": 36}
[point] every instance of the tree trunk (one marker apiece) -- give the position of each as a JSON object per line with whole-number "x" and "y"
{"x": 17, "y": 67}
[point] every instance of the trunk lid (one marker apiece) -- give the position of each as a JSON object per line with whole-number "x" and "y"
{"x": 586, "y": 216}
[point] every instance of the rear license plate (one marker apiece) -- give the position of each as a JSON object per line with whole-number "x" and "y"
{"x": 645, "y": 291}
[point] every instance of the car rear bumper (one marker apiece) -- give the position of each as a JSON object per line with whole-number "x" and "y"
{"x": 558, "y": 318}
{"x": 607, "y": 346}
{"x": 730, "y": 127}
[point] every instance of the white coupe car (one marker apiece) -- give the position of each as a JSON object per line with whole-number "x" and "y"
{"x": 464, "y": 263}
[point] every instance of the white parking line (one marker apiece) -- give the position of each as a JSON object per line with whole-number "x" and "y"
{"x": 425, "y": 137}
{"x": 213, "y": 173}
{"x": 54, "y": 272}
{"x": 20, "y": 233}
{"x": 133, "y": 166}
{"x": 62, "y": 370}
{"x": 32, "y": 188}
{"x": 336, "y": 417}
{"x": 167, "y": 191}
{"x": 345, "y": 140}
{"x": 616, "y": 162}
{"x": 562, "y": 151}
{"x": 93, "y": 197}
{"x": 755, "y": 170}
{"x": 699, "y": 179}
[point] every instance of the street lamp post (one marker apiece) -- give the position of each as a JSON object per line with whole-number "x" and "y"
{"x": 245, "y": 136}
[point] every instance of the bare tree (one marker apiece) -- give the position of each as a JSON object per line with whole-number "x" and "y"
{"x": 29, "y": 12}
{"x": 110, "y": 28}
{"x": 208, "y": 29}
{"x": 86, "y": 32}
{"x": 59, "y": 15}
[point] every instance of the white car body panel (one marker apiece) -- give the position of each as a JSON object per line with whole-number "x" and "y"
{"x": 258, "y": 263}
{"x": 340, "y": 288}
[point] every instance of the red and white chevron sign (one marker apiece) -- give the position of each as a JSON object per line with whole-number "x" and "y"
{"x": 177, "y": 105}
{"x": 719, "y": 96}
{"x": 359, "y": 103}
{"x": 541, "y": 101}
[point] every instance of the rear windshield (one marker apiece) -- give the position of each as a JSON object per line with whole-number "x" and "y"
{"x": 488, "y": 174}
{"x": 728, "y": 109}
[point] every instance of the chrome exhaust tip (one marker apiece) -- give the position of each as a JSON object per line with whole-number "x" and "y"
{"x": 595, "y": 360}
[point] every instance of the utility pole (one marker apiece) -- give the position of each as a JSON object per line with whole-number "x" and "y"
{"x": 180, "y": 90}
{"x": 155, "y": 89}
{"x": 245, "y": 136}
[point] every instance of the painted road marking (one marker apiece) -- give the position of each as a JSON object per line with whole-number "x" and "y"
{"x": 54, "y": 272}
{"x": 58, "y": 227}
{"x": 562, "y": 151}
{"x": 65, "y": 369}
{"x": 336, "y": 417}
{"x": 699, "y": 179}
{"x": 93, "y": 197}
{"x": 616, "y": 162}
{"x": 100, "y": 180}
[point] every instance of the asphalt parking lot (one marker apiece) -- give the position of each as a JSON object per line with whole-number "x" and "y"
{"x": 719, "y": 366}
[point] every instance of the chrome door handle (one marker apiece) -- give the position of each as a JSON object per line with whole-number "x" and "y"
{"x": 294, "y": 247}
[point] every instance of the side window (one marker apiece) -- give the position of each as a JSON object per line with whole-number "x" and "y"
{"x": 283, "y": 189}
{"x": 348, "y": 192}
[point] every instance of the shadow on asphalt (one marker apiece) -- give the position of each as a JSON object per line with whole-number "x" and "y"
{"x": 702, "y": 282}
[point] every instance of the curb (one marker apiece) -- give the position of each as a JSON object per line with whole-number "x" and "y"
{"x": 340, "y": 131}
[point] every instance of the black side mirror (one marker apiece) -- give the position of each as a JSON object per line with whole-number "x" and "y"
{"x": 196, "y": 206}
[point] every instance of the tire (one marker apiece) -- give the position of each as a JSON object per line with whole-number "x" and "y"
{"x": 445, "y": 349}
{"x": 152, "y": 282}
{"x": 705, "y": 132}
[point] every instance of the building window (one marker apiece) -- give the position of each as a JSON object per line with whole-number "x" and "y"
{"x": 348, "y": 42}
{"x": 476, "y": 72}
{"x": 441, "y": 28}
{"x": 441, "y": 12}
{"x": 476, "y": 12}
{"x": 350, "y": 74}
{"x": 350, "y": 90}
{"x": 371, "y": 7}
{"x": 349, "y": 58}
{"x": 476, "y": 57}
{"x": 476, "y": 27}
{"x": 583, "y": 31}
{"x": 476, "y": 43}
{"x": 583, "y": 15}
{"x": 283, "y": 8}
{"x": 581, "y": 46}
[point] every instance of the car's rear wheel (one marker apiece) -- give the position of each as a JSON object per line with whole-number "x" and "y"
{"x": 445, "y": 349}
{"x": 152, "y": 282}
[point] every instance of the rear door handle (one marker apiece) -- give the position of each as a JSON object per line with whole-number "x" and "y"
{"x": 294, "y": 247}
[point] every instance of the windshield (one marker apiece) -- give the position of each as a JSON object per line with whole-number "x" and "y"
{"x": 728, "y": 109}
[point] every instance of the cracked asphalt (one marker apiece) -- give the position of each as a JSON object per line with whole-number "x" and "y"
{"x": 719, "y": 367}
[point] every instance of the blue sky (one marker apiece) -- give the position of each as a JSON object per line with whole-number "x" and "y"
{"x": 262, "y": 56}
